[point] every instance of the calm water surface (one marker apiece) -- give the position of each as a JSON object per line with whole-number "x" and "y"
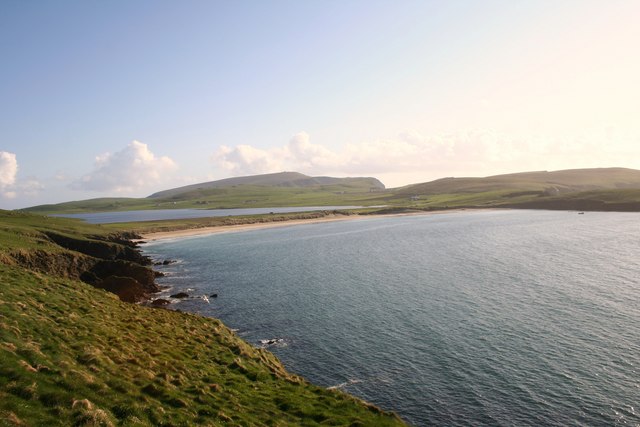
{"x": 479, "y": 318}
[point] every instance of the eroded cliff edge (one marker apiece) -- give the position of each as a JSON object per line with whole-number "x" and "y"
{"x": 111, "y": 262}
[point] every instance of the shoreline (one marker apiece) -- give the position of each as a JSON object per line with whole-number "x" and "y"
{"x": 192, "y": 232}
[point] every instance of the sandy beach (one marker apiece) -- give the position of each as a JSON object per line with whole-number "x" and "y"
{"x": 149, "y": 237}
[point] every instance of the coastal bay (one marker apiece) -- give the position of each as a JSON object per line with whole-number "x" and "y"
{"x": 459, "y": 325}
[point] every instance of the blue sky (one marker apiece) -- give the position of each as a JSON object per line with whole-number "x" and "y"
{"x": 124, "y": 98}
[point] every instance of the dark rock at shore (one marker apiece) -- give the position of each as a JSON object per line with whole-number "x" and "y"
{"x": 115, "y": 247}
{"x": 63, "y": 264}
{"x": 127, "y": 289}
{"x": 143, "y": 275}
{"x": 213, "y": 296}
{"x": 180, "y": 295}
{"x": 160, "y": 302}
{"x": 110, "y": 262}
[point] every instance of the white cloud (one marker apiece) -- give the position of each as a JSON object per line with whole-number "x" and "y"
{"x": 8, "y": 172}
{"x": 10, "y": 186}
{"x": 411, "y": 157}
{"x": 133, "y": 168}
{"x": 299, "y": 154}
{"x": 245, "y": 159}
{"x": 60, "y": 176}
{"x": 30, "y": 187}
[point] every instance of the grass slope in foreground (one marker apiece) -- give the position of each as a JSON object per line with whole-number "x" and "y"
{"x": 71, "y": 354}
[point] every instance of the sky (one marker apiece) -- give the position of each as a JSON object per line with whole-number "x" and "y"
{"x": 125, "y": 98}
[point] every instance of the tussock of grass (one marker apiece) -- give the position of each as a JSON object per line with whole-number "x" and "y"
{"x": 74, "y": 355}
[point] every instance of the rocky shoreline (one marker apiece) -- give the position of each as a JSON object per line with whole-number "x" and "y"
{"x": 113, "y": 263}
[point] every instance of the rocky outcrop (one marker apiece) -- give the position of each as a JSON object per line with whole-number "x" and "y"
{"x": 143, "y": 275}
{"x": 180, "y": 295}
{"x": 130, "y": 281}
{"x": 63, "y": 264}
{"x": 128, "y": 289}
{"x": 112, "y": 263}
{"x": 116, "y": 247}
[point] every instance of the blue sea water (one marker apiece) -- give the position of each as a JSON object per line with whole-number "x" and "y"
{"x": 477, "y": 318}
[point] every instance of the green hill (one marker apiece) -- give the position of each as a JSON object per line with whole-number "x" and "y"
{"x": 271, "y": 190}
{"x": 564, "y": 181}
{"x": 102, "y": 204}
{"x": 584, "y": 189}
{"x": 73, "y": 354}
{"x": 282, "y": 179}
{"x": 614, "y": 189}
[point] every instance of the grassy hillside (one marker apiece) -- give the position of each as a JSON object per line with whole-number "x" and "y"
{"x": 71, "y": 354}
{"x": 287, "y": 189}
{"x": 554, "y": 190}
{"x": 556, "y": 182}
{"x": 583, "y": 189}
{"x": 627, "y": 200}
{"x": 103, "y": 204}
{"x": 239, "y": 197}
{"x": 282, "y": 179}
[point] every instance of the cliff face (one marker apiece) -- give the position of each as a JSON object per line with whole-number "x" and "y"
{"x": 109, "y": 262}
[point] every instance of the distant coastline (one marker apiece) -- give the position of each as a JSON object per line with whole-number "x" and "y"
{"x": 190, "y": 232}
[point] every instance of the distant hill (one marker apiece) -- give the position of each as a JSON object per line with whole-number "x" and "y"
{"x": 582, "y": 189}
{"x": 270, "y": 190}
{"x": 281, "y": 179}
{"x": 551, "y": 183}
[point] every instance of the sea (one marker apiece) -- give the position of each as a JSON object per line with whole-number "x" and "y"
{"x": 474, "y": 318}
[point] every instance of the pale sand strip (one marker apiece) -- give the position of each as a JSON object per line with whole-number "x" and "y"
{"x": 149, "y": 237}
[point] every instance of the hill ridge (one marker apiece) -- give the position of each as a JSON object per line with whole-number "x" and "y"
{"x": 564, "y": 180}
{"x": 278, "y": 179}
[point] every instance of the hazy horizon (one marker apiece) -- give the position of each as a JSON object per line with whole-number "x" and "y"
{"x": 124, "y": 99}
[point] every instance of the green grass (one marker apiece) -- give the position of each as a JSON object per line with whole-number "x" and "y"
{"x": 573, "y": 180}
{"x": 71, "y": 354}
{"x": 19, "y": 230}
{"x": 608, "y": 196}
